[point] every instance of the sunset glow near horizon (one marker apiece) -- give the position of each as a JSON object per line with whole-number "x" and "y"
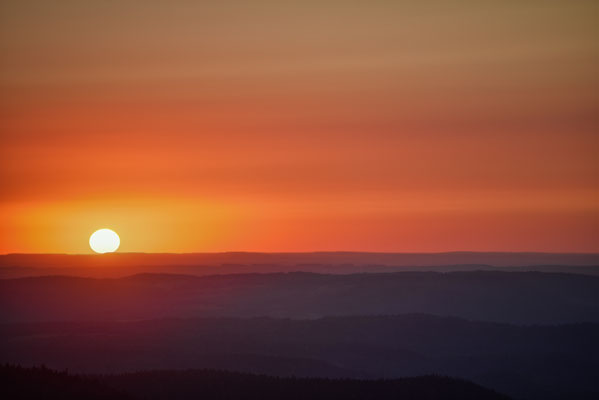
{"x": 263, "y": 126}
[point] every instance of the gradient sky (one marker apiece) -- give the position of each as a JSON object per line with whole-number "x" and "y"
{"x": 297, "y": 126}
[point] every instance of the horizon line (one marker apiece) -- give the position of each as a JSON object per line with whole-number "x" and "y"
{"x": 306, "y": 252}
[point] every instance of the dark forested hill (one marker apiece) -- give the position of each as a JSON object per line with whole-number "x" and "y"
{"x": 42, "y": 383}
{"x": 512, "y": 297}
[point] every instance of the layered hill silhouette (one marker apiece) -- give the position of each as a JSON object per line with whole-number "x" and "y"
{"x": 522, "y": 361}
{"x": 37, "y": 383}
{"x": 511, "y": 297}
{"x": 530, "y": 335}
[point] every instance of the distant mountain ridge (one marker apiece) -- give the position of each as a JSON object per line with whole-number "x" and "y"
{"x": 123, "y": 264}
{"x": 362, "y": 258}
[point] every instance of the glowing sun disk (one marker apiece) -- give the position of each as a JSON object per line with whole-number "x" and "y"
{"x": 104, "y": 241}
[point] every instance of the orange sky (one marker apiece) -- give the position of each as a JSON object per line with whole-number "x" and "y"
{"x": 261, "y": 126}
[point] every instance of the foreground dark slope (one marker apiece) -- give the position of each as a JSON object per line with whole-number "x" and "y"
{"x": 526, "y": 362}
{"x": 37, "y": 383}
{"x": 513, "y": 297}
{"x": 43, "y": 383}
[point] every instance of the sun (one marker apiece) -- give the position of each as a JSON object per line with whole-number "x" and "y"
{"x": 104, "y": 241}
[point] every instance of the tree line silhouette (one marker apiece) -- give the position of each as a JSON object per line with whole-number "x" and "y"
{"x": 44, "y": 383}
